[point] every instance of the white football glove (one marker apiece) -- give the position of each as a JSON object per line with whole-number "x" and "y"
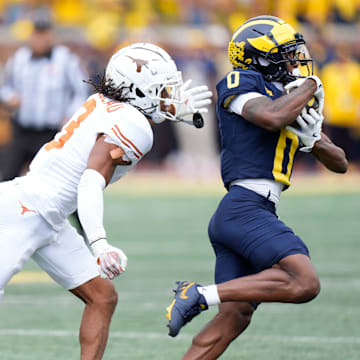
{"x": 193, "y": 100}
{"x": 310, "y": 128}
{"x": 319, "y": 93}
{"x": 111, "y": 261}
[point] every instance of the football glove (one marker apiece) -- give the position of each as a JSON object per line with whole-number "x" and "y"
{"x": 111, "y": 261}
{"x": 319, "y": 93}
{"x": 193, "y": 100}
{"x": 309, "y": 130}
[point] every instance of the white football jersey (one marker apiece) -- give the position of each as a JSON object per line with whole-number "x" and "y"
{"x": 52, "y": 182}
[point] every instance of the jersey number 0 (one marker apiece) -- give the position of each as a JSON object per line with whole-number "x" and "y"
{"x": 284, "y": 156}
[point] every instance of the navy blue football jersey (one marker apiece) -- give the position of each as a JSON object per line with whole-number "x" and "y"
{"x": 249, "y": 151}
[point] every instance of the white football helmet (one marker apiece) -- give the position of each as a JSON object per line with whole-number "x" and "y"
{"x": 151, "y": 76}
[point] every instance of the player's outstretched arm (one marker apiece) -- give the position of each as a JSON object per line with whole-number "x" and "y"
{"x": 101, "y": 164}
{"x": 275, "y": 114}
{"x": 332, "y": 156}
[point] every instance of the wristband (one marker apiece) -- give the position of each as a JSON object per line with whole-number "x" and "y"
{"x": 99, "y": 246}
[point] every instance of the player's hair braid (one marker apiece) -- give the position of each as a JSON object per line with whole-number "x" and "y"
{"x": 108, "y": 88}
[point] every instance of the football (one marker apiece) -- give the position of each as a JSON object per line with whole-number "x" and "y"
{"x": 312, "y": 104}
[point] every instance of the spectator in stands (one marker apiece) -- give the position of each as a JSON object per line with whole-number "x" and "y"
{"x": 341, "y": 80}
{"x": 316, "y": 13}
{"x": 42, "y": 87}
{"x": 321, "y": 48}
{"x": 346, "y": 12}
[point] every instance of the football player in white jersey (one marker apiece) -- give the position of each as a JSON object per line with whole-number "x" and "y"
{"x": 102, "y": 141}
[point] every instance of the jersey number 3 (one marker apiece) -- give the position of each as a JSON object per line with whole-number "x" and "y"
{"x": 69, "y": 129}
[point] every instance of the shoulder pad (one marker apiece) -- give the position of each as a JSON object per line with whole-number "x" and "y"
{"x": 129, "y": 129}
{"x": 238, "y": 82}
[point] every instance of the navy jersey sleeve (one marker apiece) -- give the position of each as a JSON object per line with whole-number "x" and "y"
{"x": 238, "y": 82}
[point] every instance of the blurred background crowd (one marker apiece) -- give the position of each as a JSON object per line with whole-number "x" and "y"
{"x": 196, "y": 34}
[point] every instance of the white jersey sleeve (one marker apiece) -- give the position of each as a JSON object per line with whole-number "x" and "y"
{"x": 129, "y": 129}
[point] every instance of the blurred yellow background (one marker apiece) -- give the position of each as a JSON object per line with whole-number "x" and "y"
{"x": 196, "y": 34}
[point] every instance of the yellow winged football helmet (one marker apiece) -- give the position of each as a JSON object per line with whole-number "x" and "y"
{"x": 267, "y": 44}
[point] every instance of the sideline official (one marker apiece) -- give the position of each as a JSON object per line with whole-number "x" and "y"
{"x": 42, "y": 87}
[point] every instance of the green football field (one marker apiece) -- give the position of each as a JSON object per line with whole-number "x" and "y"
{"x": 165, "y": 238}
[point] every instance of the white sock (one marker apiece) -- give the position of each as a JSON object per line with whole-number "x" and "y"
{"x": 210, "y": 294}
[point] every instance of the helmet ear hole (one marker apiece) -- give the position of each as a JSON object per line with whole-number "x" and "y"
{"x": 263, "y": 62}
{"x": 139, "y": 93}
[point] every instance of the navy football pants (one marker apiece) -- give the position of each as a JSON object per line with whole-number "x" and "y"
{"x": 247, "y": 235}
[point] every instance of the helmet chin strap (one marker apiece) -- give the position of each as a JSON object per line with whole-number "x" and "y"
{"x": 159, "y": 116}
{"x": 197, "y": 121}
{"x": 296, "y": 72}
{"x": 189, "y": 122}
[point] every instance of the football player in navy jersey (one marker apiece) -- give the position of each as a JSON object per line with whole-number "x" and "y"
{"x": 264, "y": 119}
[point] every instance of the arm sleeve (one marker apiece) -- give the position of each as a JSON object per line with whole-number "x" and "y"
{"x": 237, "y": 104}
{"x": 91, "y": 204}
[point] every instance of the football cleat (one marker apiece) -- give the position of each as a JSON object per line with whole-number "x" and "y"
{"x": 187, "y": 304}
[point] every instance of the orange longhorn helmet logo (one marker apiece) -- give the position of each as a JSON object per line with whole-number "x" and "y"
{"x": 139, "y": 63}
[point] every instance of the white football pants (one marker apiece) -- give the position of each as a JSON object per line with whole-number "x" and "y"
{"x": 24, "y": 233}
